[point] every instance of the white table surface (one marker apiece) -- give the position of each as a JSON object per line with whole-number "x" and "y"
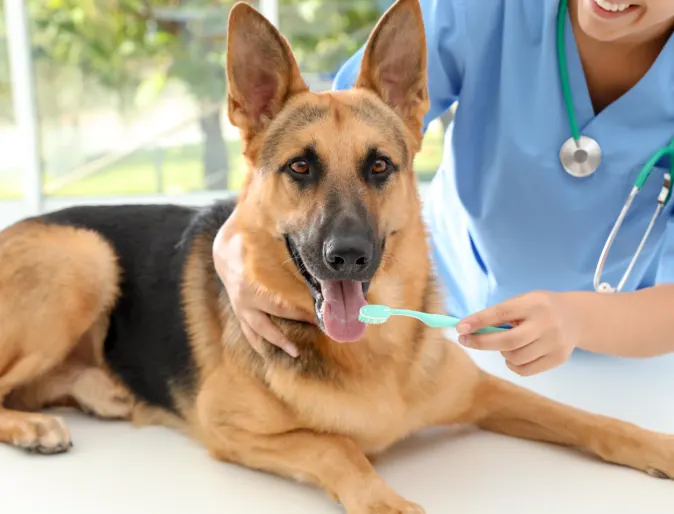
{"x": 114, "y": 468}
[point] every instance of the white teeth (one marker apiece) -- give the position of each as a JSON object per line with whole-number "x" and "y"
{"x": 610, "y": 6}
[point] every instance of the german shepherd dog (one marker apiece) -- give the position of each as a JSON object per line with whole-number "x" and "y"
{"x": 118, "y": 310}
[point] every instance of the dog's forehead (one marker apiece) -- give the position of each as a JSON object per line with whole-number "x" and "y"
{"x": 340, "y": 126}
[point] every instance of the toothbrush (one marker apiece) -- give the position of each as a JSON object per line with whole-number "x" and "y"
{"x": 378, "y": 314}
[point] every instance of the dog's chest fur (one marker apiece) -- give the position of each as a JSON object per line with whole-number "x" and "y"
{"x": 370, "y": 411}
{"x": 357, "y": 393}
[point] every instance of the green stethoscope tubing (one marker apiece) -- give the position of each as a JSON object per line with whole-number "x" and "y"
{"x": 643, "y": 175}
{"x": 564, "y": 70}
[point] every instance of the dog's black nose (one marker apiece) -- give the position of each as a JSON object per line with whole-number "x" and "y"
{"x": 348, "y": 254}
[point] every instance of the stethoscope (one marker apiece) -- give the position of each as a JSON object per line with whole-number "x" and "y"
{"x": 580, "y": 156}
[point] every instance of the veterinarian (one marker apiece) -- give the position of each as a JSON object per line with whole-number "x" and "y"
{"x": 560, "y": 108}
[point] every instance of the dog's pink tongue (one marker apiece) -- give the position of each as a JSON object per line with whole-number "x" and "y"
{"x": 342, "y": 302}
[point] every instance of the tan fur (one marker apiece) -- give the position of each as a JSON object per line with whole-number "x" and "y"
{"x": 399, "y": 378}
{"x": 319, "y": 417}
{"x": 58, "y": 284}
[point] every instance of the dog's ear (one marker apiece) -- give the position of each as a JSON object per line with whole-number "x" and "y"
{"x": 394, "y": 63}
{"x": 262, "y": 73}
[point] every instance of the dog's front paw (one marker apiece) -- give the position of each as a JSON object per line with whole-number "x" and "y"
{"x": 660, "y": 462}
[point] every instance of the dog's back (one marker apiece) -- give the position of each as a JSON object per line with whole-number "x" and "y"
{"x": 128, "y": 263}
{"x": 147, "y": 343}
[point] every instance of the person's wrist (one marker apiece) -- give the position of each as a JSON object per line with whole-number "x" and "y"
{"x": 592, "y": 314}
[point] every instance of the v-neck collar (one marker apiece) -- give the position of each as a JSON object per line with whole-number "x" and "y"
{"x": 653, "y": 92}
{"x": 648, "y": 105}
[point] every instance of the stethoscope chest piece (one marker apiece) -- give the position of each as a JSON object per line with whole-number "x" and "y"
{"x": 580, "y": 158}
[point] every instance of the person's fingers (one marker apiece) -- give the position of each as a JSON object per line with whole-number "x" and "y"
{"x": 526, "y": 354}
{"x": 249, "y": 307}
{"x": 264, "y": 328}
{"x": 282, "y": 311}
{"x": 254, "y": 340}
{"x": 508, "y": 340}
{"x": 545, "y": 363}
{"x": 508, "y": 312}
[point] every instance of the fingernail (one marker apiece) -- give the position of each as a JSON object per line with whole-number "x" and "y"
{"x": 463, "y": 328}
{"x": 463, "y": 340}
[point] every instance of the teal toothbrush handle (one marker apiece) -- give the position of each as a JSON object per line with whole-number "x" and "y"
{"x": 442, "y": 321}
{"x": 490, "y": 330}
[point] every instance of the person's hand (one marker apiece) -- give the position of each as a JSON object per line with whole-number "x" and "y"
{"x": 546, "y": 329}
{"x": 250, "y": 307}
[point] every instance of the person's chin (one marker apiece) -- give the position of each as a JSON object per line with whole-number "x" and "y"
{"x": 602, "y": 26}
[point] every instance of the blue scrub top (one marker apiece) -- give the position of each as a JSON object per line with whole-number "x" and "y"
{"x": 504, "y": 216}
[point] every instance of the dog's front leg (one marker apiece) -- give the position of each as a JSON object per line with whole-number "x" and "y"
{"x": 253, "y": 428}
{"x": 334, "y": 463}
{"x": 500, "y": 406}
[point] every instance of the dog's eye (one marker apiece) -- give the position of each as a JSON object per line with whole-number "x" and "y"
{"x": 379, "y": 166}
{"x": 300, "y": 166}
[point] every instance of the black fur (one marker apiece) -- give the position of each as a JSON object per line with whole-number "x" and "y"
{"x": 314, "y": 173}
{"x": 147, "y": 344}
{"x": 376, "y": 179}
{"x": 343, "y": 215}
{"x": 311, "y": 363}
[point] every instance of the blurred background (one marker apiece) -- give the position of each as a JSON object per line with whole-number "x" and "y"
{"x": 117, "y": 101}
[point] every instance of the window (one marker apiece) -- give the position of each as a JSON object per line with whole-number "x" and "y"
{"x": 130, "y": 95}
{"x": 10, "y": 163}
{"x": 131, "y": 98}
